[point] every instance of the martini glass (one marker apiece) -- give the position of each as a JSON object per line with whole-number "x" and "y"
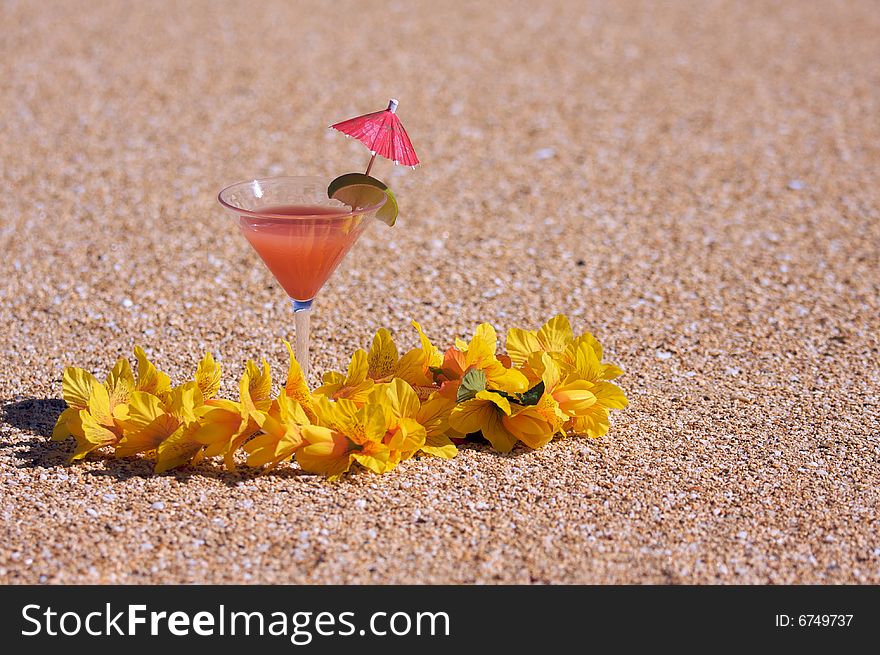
{"x": 300, "y": 234}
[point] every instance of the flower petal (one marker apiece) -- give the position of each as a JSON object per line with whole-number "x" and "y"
{"x": 402, "y": 399}
{"x": 482, "y": 347}
{"x": 413, "y": 367}
{"x": 94, "y": 435}
{"x": 471, "y": 415}
{"x": 497, "y": 399}
{"x": 62, "y": 429}
{"x": 434, "y": 414}
{"x": 495, "y": 432}
{"x": 326, "y": 452}
{"x": 556, "y": 334}
{"x": 149, "y": 378}
{"x": 296, "y": 386}
{"x": 520, "y": 344}
{"x": 77, "y": 386}
{"x": 208, "y": 376}
{"x": 183, "y": 401}
{"x": 376, "y": 458}
{"x": 575, "y": 398}
{"x": 610, "y": 372}
{"x": 120, "y": 383}
{"x": 432, "y": 353}
{"x": 439, "y": 446}
{"x": 454, "y": 364}
{"x": 609, "y": 395}
{"x": 178, "y": 449}
{"x": 593, "y": 424}
{"x": 502, "y": 378}
{"x": 99, "y": 406}
{"x": 409, "y": 436}
{"x": 267, "y": 449}
{"x": 358, "y": 367}
{"x": 148, "y": 437}
{"x": 143, "y": 409}
{"x": 586, "y": 362}
{"x": 529, "y": 426}
{"x": 260, "y": 382}
{"x": 382, "y": 358}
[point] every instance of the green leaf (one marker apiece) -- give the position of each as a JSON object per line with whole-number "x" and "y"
{"x": 472, "y": 382}
{"x": 533, "y": 395}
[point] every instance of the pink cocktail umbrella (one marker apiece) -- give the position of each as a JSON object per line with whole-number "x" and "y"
{"x": 383, "y": 133}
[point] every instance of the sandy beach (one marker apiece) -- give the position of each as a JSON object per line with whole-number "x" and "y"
{"x": 694, "y": 183}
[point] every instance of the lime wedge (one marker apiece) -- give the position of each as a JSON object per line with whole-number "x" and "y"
{"x": 359, "y": 190}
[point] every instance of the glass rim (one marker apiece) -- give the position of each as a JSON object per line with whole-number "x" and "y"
{"x": 291, "y": 178}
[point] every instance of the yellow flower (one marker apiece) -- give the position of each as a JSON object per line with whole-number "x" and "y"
{"x": 433, "y": 414}
{"x": 225, "y": 425}
{"x": 208, "y": 376}
{"x": 591, "y": 363}
{"x": 382, "y": 363}
{"x": 370, "y": 451}
{"x": 188, "y": 404}
{"x": 354, "y": 386}
{"x": 484, "y": 413}
{"x": 296, "y": 386}
{"x": 92, "y": 435}
{"x": 178, "y": 449}
{"x": 151, "y": 423}
{"x": 534, "y": 425}
{"x": 363, "y": 426}
{"x": 282, "y": 433}
{"x": 480, "y": 354}
{"x": 432, "y": 354}
{"x": 555, "y": 338}
{"x": 382, "y": 356}
{"x": 325, "y": 452}
{"x": 69, "y": 424}
{"x": 379, "y": 434}
{"x": 592, "y": 419}
{"x": 573, "y": 395}
{"x": 76, "y": 388}
{"x": 400, "y": 405}
{"x": 95, "y": 411}
{"x": 416, "y": 366}
{"x": 503, "y": 423}
{"x": 149, "y": 379}
{"x": 119, "y": 385}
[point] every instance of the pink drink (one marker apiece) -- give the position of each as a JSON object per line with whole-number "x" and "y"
{"x": 302, "y": 244}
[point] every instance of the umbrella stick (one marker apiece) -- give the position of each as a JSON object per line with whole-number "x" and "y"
{"x": 370, "y": 165}
{"x": 392, "y": 107}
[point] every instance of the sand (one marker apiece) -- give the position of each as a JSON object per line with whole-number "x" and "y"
{"x": 696, "y": 185}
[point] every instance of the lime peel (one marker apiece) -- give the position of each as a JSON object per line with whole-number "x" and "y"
{"x": 360, "y": 190}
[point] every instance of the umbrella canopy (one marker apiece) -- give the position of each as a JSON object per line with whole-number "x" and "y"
{"x": 383, "y": 133}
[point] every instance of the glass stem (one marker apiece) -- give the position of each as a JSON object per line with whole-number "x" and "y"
{"x": 302, "y": 312}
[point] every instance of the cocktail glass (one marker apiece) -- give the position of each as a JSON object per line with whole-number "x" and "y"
{"x": 300, "y": 234}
